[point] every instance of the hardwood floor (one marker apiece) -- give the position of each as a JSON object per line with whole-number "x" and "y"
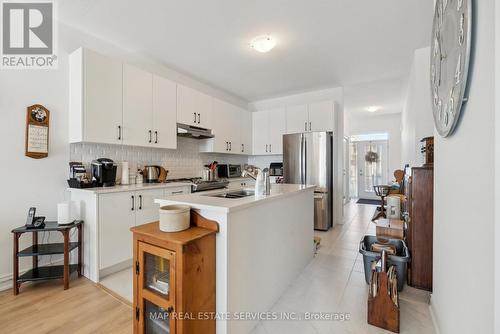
{"x": 46, "y": 308}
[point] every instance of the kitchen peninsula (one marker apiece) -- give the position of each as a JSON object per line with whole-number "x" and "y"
{"x": 263, "y": 244}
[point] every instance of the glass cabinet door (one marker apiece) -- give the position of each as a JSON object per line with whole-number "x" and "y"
{"x": 156, "y": 289}
{"x": 156, "y": 319}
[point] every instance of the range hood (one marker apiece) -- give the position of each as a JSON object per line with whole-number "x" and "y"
{"x": 195, "y": 132}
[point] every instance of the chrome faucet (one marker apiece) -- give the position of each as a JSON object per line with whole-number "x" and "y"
{"x": 262, "y": 181}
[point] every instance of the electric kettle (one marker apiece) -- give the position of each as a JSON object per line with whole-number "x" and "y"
{"x": 151, "y": 174}
{"x": 154, "y": 174}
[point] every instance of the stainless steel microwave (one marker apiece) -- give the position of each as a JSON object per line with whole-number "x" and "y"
{"x": 224, "y": 170}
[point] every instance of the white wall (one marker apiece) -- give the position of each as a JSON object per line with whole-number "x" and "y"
{"x": 28, "y": 182}
{"x": 389, "y": 123}
{"x": 465, "y": 198}
{"x": 416, "y": 118}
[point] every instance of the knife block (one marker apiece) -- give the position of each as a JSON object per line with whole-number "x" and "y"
{"x": 382, "y": 312}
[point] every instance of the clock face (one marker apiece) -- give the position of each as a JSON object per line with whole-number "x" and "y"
{"x": 38, "y": 114}
{"x": 450, "y": 54}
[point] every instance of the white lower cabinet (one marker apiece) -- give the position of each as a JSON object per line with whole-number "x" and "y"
{"x": 118, "y": 212}
{"x": 108, "y": 218}
{"x": 116, "y": 217}
{"x": 146, "y": 209}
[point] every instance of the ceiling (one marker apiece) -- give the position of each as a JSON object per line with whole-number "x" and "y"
{"x": 384, "y": 94}
{"x": 321, "y": 43}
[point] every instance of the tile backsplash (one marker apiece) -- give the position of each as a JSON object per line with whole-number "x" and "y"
{"x": 185, "y": 161}
{"x": 263, "y": 161}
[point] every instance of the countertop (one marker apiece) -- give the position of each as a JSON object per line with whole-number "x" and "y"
{"x": 133, "y": 187}
{"x": 203, "y": 202}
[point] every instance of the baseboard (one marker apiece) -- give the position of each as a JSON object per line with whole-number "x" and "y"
{"x": 433, "y": 317}
{"x": 115, "y": 268}
{"x": 6, "y": 280}
{"x": 114, "y": 294}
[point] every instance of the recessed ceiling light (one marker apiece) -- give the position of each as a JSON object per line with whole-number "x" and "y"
{"x": 373, "y": 108}
{"x": 263, "y": 43}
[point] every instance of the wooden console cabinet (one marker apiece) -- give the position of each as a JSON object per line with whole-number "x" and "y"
{"x": 174, "y": 285}
{"x": 419, "y": 191}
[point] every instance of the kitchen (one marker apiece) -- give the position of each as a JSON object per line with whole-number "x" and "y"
{"x": 244, "y": 113}
{"x": 109, "y": 212}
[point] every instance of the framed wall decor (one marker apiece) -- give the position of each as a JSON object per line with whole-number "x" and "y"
{"x": 37, "y": 132}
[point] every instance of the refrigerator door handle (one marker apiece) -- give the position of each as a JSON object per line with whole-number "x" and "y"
{"x": 302, "y": 174}
{"x": 304, "y": 158}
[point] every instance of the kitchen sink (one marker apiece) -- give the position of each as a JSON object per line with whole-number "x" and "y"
{"x": 234, "y": 194}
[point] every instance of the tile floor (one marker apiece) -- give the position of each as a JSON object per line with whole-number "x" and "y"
{"x": 121, "y": 283}
{"x": 334, "y": 282}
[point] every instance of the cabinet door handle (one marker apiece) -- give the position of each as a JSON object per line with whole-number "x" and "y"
{"x": 227, "y": 146}
{"x": 177, "y": 192}
{"x": 150, "y": 136}
{"x": 119, "y": 132}
{"x": 309, "y": 126}
{"x": 305, "y": 126}
{"x": 266, "y": 147}
{"x": 270, "y": 148}
{"x": 156, "y": 137}
{"x": 133, "y": 203}
{"x": 140, "y": 202}
{"x": 242, "y": 147}
{"x": 230, "y": 146}
{"x": 194, "y": 117}
{"x": 199, "y": 118}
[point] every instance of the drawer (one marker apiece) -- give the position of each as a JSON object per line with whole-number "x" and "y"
{"x": 177, "y": 191}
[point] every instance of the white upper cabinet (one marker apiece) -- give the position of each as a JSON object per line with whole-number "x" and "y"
{"x": 316, "y": 116}
{"x": 227, "y": 129}
{"x": 164, "y": 120}
{"x": 269, "y": 126}
{"x": 116, "y": 103}
{"x": 260, "y": 127}
{"x": 246, "y": 131}
{"x": 297, "y": 119}
{"x": 321, "y": 116}
{"x": 95, "y": 98}
{"x": 204, "y": 107}
{"x": 277, "y": 128}
{"x": 221, "y": 128}
{"x": 137, "y": 106}
{"x": 194, "y": 107}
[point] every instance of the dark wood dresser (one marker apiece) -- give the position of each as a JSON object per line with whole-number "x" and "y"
{"x": 419, "y": 191}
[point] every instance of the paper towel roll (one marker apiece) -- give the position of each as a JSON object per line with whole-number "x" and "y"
{"x": 125, "y": 172}
{"x": 64, "y": 213}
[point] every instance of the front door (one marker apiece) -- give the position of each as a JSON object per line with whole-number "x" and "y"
{"x": 372, "y": 167}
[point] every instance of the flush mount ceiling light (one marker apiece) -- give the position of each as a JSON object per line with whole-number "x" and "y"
{"x": 263, "y": 43}
{"x": 373, "y": 108}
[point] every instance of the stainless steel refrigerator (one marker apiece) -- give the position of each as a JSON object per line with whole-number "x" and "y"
{"x": 307, "y": 159}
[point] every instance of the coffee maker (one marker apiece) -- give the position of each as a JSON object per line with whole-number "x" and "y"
{"x": 104, "y": 172}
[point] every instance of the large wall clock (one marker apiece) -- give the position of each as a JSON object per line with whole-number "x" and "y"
{"x": 450, "y": 56}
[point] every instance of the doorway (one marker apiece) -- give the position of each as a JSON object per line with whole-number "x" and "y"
{"x": 369, "y": 164}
